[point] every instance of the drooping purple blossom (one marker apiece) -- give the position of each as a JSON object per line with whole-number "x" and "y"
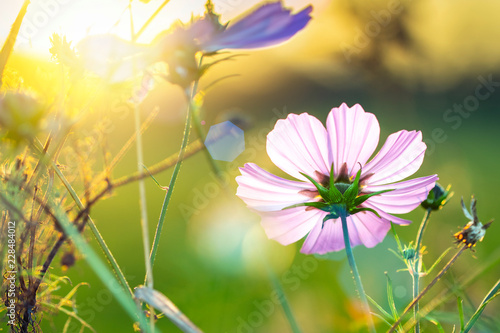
{"x": 270, "y": 24}
{"x": 300, "y": 145}
{"x": 116, "y": 59}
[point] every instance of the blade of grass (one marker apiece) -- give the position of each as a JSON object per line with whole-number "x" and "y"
{"x": 101, "y": 270}
{"x": 381, "y": 309}
{"x": 382, "y": 318}
{"x": 494, "y": 292}
{"x": 438, "y": 260}
{"x": 283, "y": 301}
{"x": 165, "y": 305}
{"x": 460, "y": 313}
{"x": 390, "y": 300}
{"x": 436, "y": 322}
{"x": 8, "y": 46}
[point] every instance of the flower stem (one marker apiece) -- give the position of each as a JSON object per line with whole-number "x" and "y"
{"x": 416, "y": 267}
{"x": 354, "y": 270}
{"x": 429, "y": 286}
{"x": 168, "y": 195}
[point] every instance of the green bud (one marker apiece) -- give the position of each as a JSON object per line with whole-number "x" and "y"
{"x": 437, "y": 197}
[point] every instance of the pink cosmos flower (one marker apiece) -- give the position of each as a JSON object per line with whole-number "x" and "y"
{"x": 338, "y": 155}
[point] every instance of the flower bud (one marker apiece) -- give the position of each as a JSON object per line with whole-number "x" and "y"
{"x": 437, "y": 198}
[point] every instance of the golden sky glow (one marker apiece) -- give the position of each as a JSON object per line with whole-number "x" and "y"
{"x": 79, "y": 18}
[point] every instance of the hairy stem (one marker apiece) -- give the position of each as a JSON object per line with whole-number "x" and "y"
{"x": 182, "y": 151}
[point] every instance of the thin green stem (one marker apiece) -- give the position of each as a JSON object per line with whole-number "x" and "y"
{"x": 416, "y": 267}
{"x": 173, "y": 179}
{"x": 354, "y": 270}
{"x": 97, "y": 235}
{"x": 428, "y": 287}
{"x": 491, "y": 262}
{"x": 283, "y": 301}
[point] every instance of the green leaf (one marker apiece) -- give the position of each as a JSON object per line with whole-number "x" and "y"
{"x": 396, "y": 237}
{"x": 436, "y": 322}
{"x": 165, "y": 305}
{"x": 363, "y": 209}
{"x": 353, "y": 190}
{"x": 384, "y": 313}
{"x": 362, "y": 198}
{"x": 325, "y": 194}
{"x": 315, "y": 204}
{"x": 460, "y": 313}
{"x": 438, "y": 260}
{"x": 382, "y": 318}
{"x": 332, "y": 178}
{"x": 494, "y": 292}
{"x": 334, "y": 192}
{"x": 392, "y": 304}
{"x": 398, "y": 255}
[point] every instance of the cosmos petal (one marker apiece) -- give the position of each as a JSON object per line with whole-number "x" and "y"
{"x": 364, "y": 228}
{"x": 289, "y": 225}
{"x": 299, "y": 144}
{"x": 370, "y": 228}
{"x": 263, "y": 191}
{"x": 353, "y": 136}
{"x": 323, "y": 240}
{"x": 401, "y": 156}
{"x": 406, "y": 196}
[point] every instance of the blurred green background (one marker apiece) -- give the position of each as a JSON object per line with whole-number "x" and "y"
{"x": 408, "y": 62}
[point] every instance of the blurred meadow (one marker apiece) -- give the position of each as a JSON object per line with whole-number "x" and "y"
{"x": 423, "y": 65}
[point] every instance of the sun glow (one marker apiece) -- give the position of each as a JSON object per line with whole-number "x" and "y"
{"x": 77, "y": 19}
